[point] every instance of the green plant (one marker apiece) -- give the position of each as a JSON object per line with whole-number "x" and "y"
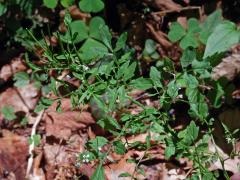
{"x": 108, "y": 74}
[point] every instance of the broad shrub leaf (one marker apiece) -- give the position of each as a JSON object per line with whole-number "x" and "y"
{"x": 187, "y": 57}
{"x": 223, "y": 37}
{"x": 91, "y": 5}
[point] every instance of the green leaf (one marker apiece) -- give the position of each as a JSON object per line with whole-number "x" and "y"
{"x": 50, "y": 3}
{"x": 223, "y": 37}
{"x": 188, "y": 135}
{"x": 189, "y": 41}
{"x": 150, "y": 47}
{"x": 198, "y": 106}
{"x": 187, "y": 57}
{"x": 106, "y": 36}
{"x": 121, "y": 42}
{"x": 202, "y": 68}
{"x": 209, "y": 25}
{"x": 8, "y": 113}
{"x": 3, "y": 9}
{"x": 21, "y": 79}
{"x": 129, "y": 72}
{"x": 119, "y": 147}
{"x": 169, "y": 151}
{"x": 35, "y": 140}
{"x": 172, "y": 90}
{"x": 193, "y": 25}
{"x": 94, "y": 27}
{"x": 97, "y": 143}
{"x": 98, "y": 173}
{"x": 92, "y": 50}
{"x": 191, "y": 81}
{"x": 155, "y": 76}
{"x": 176, "y": 32}
{"x": 125, "y": 175}
{"x": 44, "y": 103}
{"x": 216, "y": 94}
{"x": 192, "y": 131}
{"x": 141, "y": 83}
{"x": 91, "y": 5}
{"x": 122, "y": 70}
{"x": 77, "y": 32}
{"x": 67, "y": 3}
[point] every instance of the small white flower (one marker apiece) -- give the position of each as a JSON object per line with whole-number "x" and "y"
{"x": 87, "y": 156}
{"x": 99, "y": 148}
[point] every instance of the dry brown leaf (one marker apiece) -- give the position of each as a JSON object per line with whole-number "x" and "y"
{"x": 21, "y": 99}
{"x": 231, "y": 165}
{"x": 13, "y": 154}
{"x": 229, "y": 68}
{"x": 8, "y": 70}
{"x": 112, "y": 171}
{"x": 38, "y": 173}
{"x": 61, "y": 125}
{"x": 164, "y": 5}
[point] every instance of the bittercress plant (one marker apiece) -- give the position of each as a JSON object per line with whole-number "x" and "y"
{"x": 108, "y": 73}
